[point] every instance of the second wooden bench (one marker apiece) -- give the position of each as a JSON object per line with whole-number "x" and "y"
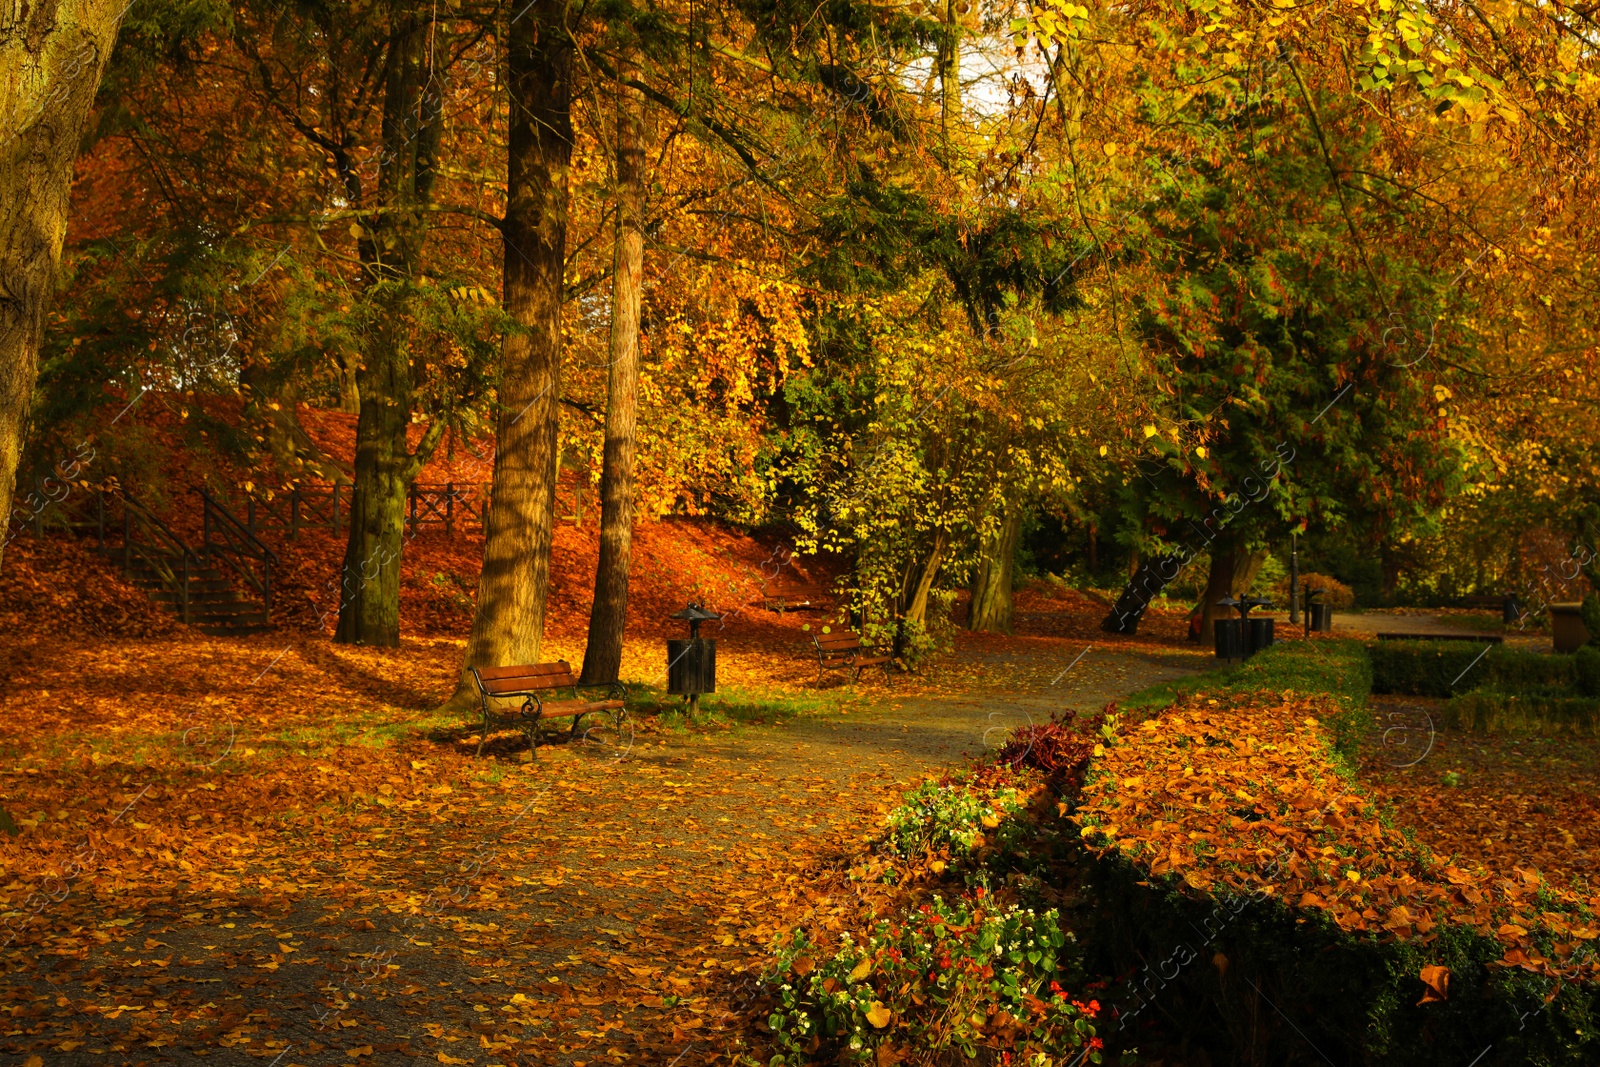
{"x": 844, "y": 651}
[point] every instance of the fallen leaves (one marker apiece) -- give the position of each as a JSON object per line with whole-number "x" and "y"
{"x": 1436, "y": 980}
{"x": 1266, "y": 809}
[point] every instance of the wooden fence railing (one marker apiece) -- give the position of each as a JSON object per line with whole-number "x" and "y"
{"x": 327, "y": 507}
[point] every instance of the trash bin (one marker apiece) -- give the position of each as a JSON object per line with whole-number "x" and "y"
{"x": 1320, "y": 618}
{"x": 1260, "y": 635}
{"x": 692, "y": 661}
{"x": 1229, "y": 635}
{"x": 1510, "y": 610}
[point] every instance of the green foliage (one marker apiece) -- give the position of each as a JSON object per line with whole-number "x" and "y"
{"x": 1590, "y": 613}
{"x": 947, "y": 978}
{"x": 1266, "y": 322}
{"x": 1358, "y": 1004}
{"x": 1441, "y": 668}
{"x": 1586, "y": 666}
{"x": 947, "y": 820}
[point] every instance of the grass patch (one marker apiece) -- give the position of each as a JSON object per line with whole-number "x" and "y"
{"x": 1491, "y": 711}
{"x": 1337, "y": 667}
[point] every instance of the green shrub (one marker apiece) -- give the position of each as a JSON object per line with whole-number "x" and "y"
{"x": 1492, "y": 711}
{"x": 947, "y": 819}
{"x": 950, "y": 980}
{"x": 1440, "y": 668}
{"x": 1590, "y": 613}
{"x": 1586, "y": 665}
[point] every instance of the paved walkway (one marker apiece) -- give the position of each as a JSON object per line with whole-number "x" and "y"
{"x": 584, "y": 909}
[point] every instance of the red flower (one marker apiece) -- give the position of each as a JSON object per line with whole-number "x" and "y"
{"x": 1095, "y": 1042}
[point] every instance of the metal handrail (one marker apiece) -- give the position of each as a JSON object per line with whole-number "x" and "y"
{"x": 160, "y": 557}
{"x": 237, "y": 544}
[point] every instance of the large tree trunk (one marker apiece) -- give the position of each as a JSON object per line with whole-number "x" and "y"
{"x": 509, "y": 625}
{"x": 990, "y": 610}
{"x": 1149, "y": 578}
{"x": 602, "y": 656}
{"x": 390, "y": 242}
{"x": 1232, "y": 571}
{"x": 51, "y": 62}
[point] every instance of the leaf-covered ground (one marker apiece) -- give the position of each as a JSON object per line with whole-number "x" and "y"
{"x": 1498, "y": 800}
{"x": 272, "y": 848}
{"x": 1245, "y": 794}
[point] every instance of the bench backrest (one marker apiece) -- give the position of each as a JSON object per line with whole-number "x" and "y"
{"x": 842, "y": 642}
{"x": 520, "y": 679}
{"x": 783, "y": 586}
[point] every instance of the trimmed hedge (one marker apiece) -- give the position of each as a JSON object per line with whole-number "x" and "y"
{"x": 1252, "y": 978}
{"x": 1443, "y": 668}
{"x": 1253, "y": 981}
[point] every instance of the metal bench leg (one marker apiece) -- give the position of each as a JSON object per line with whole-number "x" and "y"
{"x": 483, "y": 738}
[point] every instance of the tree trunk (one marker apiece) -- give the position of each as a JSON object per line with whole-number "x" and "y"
{"x": 509, "y": 625}
{"x": 389, "y": 245}
{"x": 51, "y": 62}
{"x": 1232, "y": 571}
{"x": 1146, "y": 584}
{"x": 602, "y": 656}
{"x": 990, "y": 610}
{"x": 949, "y": 60}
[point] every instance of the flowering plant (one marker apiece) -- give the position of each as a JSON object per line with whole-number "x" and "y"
{"x": 966, "y": 977}
{"x": 947, "y": 819}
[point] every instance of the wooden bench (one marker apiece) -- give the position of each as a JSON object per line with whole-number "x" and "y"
{"x": 1488, "y": 639}
{"x": 845, "y": 652}
{"x": 536, "y": 684}
{"x": 788, "y": 596}
{"x": 1510, "y": 609}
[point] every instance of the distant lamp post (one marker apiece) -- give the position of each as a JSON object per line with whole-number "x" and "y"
{"x": 1294, "y": 581}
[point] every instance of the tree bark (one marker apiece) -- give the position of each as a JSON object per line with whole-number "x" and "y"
{"x": 509, "y": 625}
{"x": 1148, "y": 580}
{"x": 990, "y": 610}
{"x": 949, "y": 61}
{"x": 602, "y": 655}
{"x": 1232, "y": 570}
{"x": 51, "y": 62}
{"x": 389, "y": 246}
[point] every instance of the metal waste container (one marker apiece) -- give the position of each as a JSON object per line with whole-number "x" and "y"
{"x": 1229, "y": 639}
{"x": 692, "y": 661}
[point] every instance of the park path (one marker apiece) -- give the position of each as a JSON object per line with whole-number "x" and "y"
{"x": 586, "y": 909}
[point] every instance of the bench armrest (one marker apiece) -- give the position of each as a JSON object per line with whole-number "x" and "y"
{"x": 614, "y": 690}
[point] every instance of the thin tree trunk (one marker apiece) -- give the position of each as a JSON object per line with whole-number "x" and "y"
{"x": 602, "y": 656}
{"x": 51, "y": 62}
{"x": 509, "y": 625}
{"x": 389, "y": 246}
{"x": 917, "y": 610}
{"x": 991, "y": 606}
{"x": 949, "y": 60}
